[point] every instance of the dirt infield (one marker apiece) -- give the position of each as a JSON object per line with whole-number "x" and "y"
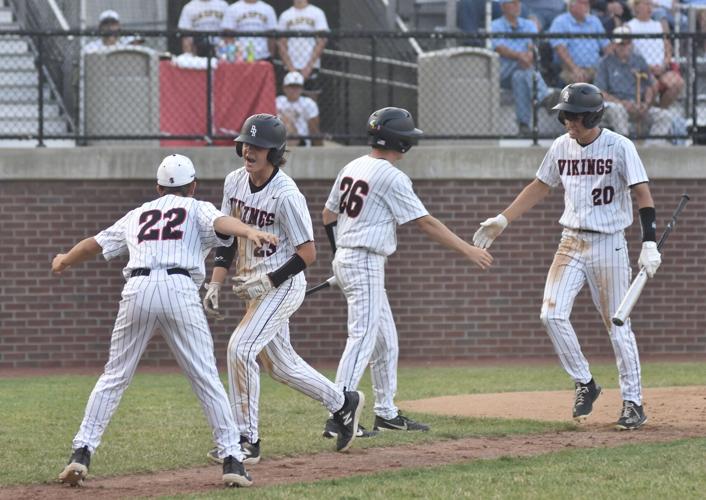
{"x": 674, "y": 413}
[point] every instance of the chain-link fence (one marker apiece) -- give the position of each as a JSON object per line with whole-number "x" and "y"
{"x": 122, "y": 86}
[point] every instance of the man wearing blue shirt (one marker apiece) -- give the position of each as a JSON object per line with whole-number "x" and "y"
{"x": 578, "y": 56}
{"x": 517, "y": 64}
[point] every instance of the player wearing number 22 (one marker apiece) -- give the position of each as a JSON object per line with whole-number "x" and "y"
{"x": 166, "y": 240}
{"x": 271, "y": 281}
{"x": 598, "y": 169}
{"x": 369, "y": 198}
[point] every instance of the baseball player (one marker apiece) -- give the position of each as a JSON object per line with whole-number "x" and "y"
{"x": 368, "y": 200}
{"x": 271, "y": 280}
{"x": 598, "y": 170}
{"x": 167, "y": 240}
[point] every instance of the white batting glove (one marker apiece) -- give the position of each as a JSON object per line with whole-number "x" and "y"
{"x": 650, "y": 258}
{"x": 252, "y": 288}
{"x": 210, "y": 300}
{"x": 489, "y": 230}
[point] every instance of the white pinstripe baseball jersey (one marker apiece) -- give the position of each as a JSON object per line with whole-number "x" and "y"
{"x": 277, "y": 207}
{"x": 596, "y": 180}
{"x": 371, "y": 196}
{"x": 171, "y": 231}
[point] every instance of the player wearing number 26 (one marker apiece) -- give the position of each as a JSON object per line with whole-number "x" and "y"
{"x": 369, "y": 198}
{"x": 599, "y": 170}
{"x": 166, "y": 240}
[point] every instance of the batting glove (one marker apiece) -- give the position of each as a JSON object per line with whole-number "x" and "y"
{"x": 650, "y": 258}
{"x": 252, "y": 288}
{"x": 210, "y": 301}
{"x": 489, "y": 230}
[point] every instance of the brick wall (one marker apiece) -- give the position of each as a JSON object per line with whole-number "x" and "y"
{"x": 443, "y": 307}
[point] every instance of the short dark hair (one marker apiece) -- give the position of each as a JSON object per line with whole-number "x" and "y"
{"x": 180, "y": 190}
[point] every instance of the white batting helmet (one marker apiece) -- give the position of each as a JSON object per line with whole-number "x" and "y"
{"x": 175, "y": 170}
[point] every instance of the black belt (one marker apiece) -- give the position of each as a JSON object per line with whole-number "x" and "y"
{"x": 588, "y": 231}
{"x": 144, "y": 271}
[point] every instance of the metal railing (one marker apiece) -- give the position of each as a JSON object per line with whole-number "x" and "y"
{"x": 456, "y": 91}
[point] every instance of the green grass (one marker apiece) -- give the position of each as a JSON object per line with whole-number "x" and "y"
{"x": 671, "y": 470}
{"x": 159, "y": 424}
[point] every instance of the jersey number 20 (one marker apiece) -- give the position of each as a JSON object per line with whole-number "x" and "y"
{"x": 352, "y": 197}
{"x": 175, "y": 216}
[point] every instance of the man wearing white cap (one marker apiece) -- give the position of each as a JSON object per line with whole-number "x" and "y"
{"x": 167, "y": 240}
{"x": 300, "y": 114}
{"x": 108, "y": 24}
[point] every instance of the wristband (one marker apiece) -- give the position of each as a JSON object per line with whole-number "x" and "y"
{"x": 225, "y": 255}
{"x": 648, "y": 221}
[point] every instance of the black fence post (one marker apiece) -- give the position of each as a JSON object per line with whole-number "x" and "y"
{"x": 373, "y": 71}
{"x": 209, "y": 96}
{"x": 347, "y": 99}
{"x": 39, "y": 64}
{"x": 535, "y": 98}
{"x": 694, "y": 91}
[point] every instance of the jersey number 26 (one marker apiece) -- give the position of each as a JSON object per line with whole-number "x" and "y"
{"x": 352, "y": 197}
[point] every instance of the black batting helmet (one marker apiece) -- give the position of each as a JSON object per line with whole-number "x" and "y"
{"x": 581, "y": 98}
{"x": 264, "y": 131}
{"x": 393, "y": 128}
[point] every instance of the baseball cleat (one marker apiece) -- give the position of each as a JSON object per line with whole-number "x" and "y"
{"x": 77, "y": 469}
{"x": 586, "y": 395}
{"x": 331, "y": 430}
{"x": 213, "y": 457}
{"x": 632, "y": 417}
{"x": 251, "y": 451}
{"x": 234, "y": 473}
{"x": 399, "y": 423}
{"x": 347, "y": 419}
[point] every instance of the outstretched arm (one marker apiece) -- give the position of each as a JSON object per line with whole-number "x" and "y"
{"x": 232, "y": 226}
{"x": 438, "y": 232}
{"x": 81, "y": 252}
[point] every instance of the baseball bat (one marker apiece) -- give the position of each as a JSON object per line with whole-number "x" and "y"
{"x": 635, "y": 290}
{"x": 324, "y": 284}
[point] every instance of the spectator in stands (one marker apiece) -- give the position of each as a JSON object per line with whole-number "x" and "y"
{"x": 303, "y": 54}
{"x": 201, "y": 15}
{"x": 578, "y": 57}
{"x": 612, "y": 13}
{"x": 543, "y": 12}
{"x": 656, "y": 51}
{"x": 108, "y": 24}
{"x": 630, "y": 91}
{"x": 252, "y": 15}
{"x": 517, "y": 70}
{"x": 300, "y": 114}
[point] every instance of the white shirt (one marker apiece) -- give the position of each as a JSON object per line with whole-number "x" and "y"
{"x": 651, "y": 49}
{"x": 299, "y": 112}
{"x": 202, "y": 15}
{"x": 310, "y": 18}
{"x": 278, "y": 208}
{"x": 171, "y": 231}
{"x": 371, "y": 196}
{"x": 596, "y": 180}
{"x": 258, "y": 16}
{"x": 99, "y": 46}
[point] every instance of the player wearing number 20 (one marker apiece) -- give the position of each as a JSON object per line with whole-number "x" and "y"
{"x": 598, "y": 169}
{"x": 369, "y": 198}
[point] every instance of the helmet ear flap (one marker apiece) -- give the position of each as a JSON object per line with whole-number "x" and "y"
{"x": 239, "y": 148}
{"x": 591, "y": 120}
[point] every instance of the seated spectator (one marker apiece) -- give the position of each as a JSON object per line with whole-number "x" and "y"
{"x": 612, "y": 13}
{"x": 517, "y": 69}
{"x": 109, "y": 23}
{"x": 543, "y": 12}
{"x": 201, "y": 15}
{"x": 664, "y": 10}
{"x": 470, "y": 17}
{"x": 578, "y": 57}
{"x": 630, "y": 91}
{"x": 303, "y": 54}
{"x": 300, "y": 114}
{"x": 656, "y": 51}
{"x": 252, "y": 15}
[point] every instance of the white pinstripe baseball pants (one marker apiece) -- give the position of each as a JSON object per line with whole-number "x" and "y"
{"x": 263, "y": 334}
{"x": 601, "y": 260}
{"x": 372, "y": 335}
{"x": 172, "y": 303}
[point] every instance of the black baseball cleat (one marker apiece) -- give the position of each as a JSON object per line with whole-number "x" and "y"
{"x": 331, "y": 430}
{"x": 77, "y": 468}
{"x": 632, "y": 417}
{"x": 250, "y": 450}
{"x": 347, "y": 419}
{"x": 234, "y": 473}
{"x": 213, "y": 457}
{"x": 586, "y": 395}
{"x": 399, "y": 423}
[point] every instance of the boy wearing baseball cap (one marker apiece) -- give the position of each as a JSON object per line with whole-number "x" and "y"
{"x": 299, "y": 113}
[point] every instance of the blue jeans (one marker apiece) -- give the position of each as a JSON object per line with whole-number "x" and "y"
{"x": 520, "y": 81}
